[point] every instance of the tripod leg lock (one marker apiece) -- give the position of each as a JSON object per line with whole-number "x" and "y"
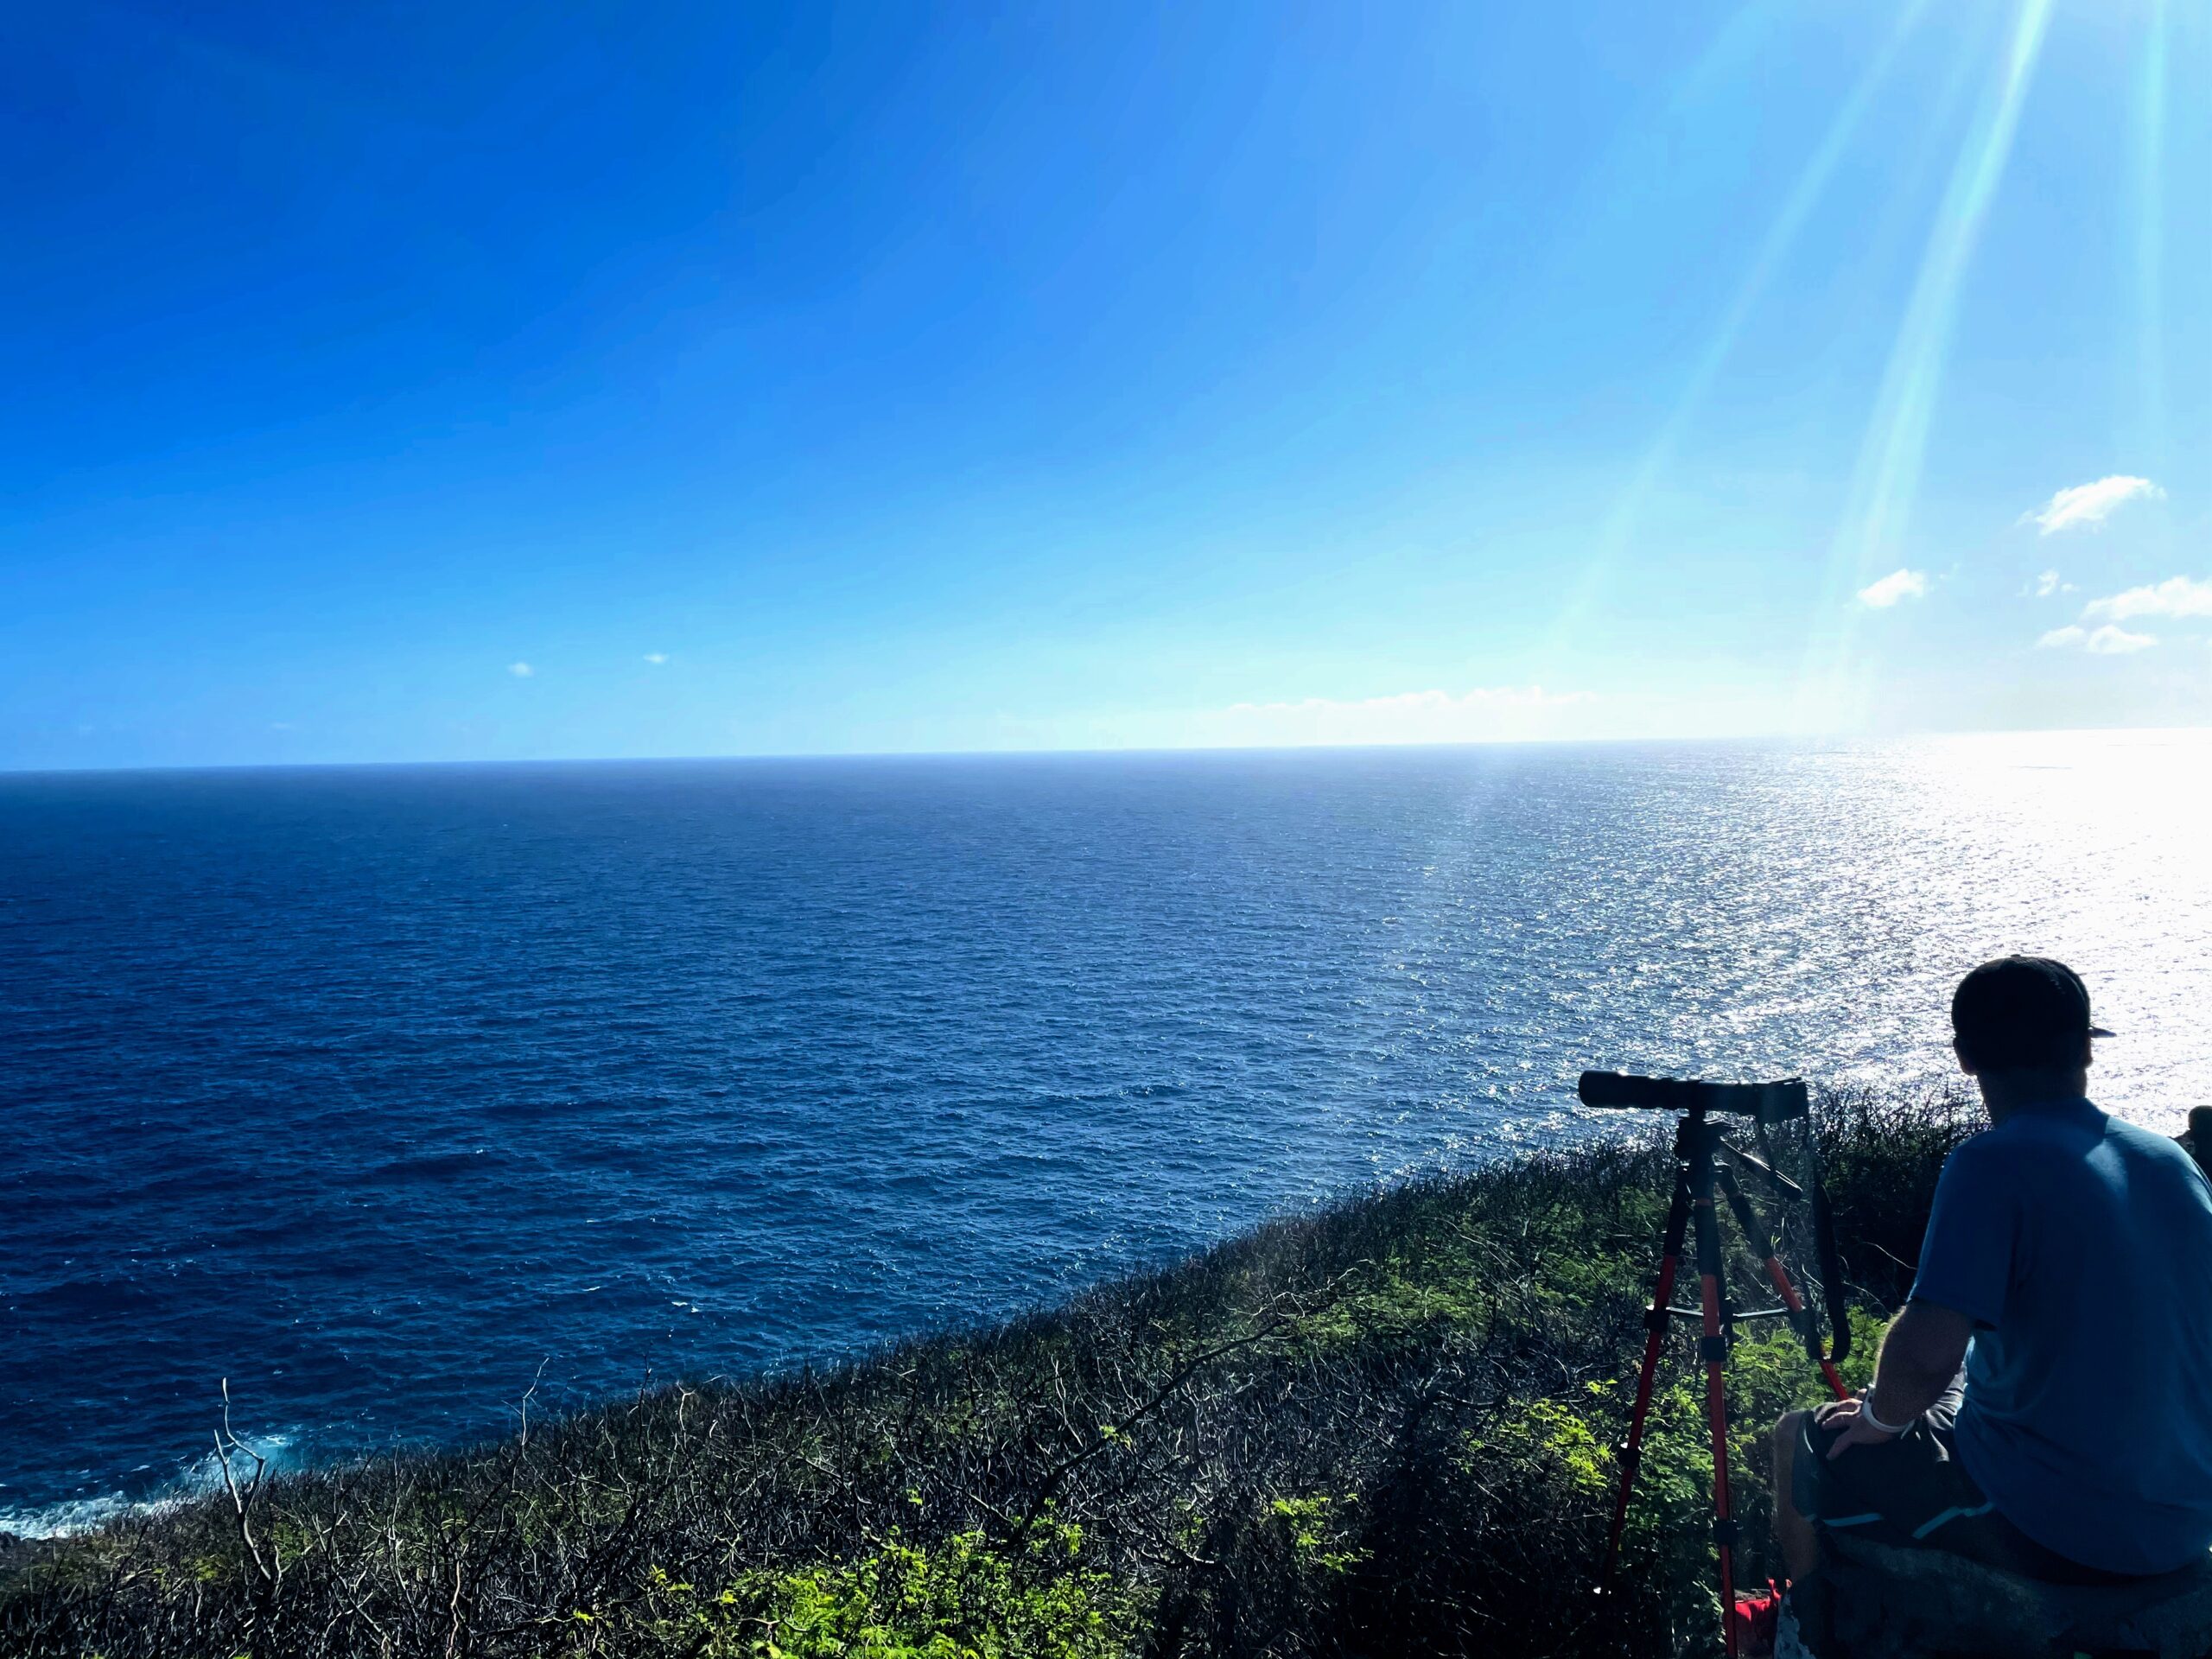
{"x": 1713, "y": 1350}
{"x": 1723, "y": 1533}
{"x": 1657, "y": 1319}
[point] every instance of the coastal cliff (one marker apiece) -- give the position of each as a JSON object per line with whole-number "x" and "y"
{"x": 1385, "y": 1428}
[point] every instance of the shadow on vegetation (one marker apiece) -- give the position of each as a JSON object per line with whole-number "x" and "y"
{"x": 1384, "y": 1429}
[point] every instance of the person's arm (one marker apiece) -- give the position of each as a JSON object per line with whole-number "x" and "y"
{"x": 1965, "y": 1275}
{"x": 1921, "y": 1353}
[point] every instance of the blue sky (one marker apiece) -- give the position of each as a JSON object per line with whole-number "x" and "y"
{"x": 460, "y": 381}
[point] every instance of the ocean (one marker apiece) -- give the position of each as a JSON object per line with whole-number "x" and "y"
{"x": 383, "y": 1093}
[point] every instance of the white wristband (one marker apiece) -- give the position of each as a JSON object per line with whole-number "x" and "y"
{"x": 1866, "y": 1410}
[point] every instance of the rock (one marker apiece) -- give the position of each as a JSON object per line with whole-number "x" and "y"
{"x": 1871, "y": 1601}
{"x": 16, "y": 1551}
{"x": 2196, "y": 1141}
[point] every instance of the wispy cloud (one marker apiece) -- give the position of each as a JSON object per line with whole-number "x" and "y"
{"x": 656, "y": 658}
{"x": 2048, "y": 584}
{"x": 2110, "y": 641}
{"x": 1486, "y": 712}
{"x": 521, "y": 670}
{"x": 2092, "y": 504}
{"x": 2175, "y": 596}
{"x": 2106, "y": 641}
{"x": 1898, "y": 585}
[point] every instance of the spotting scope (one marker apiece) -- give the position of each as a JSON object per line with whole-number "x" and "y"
{"x": 1768, "y": 1102}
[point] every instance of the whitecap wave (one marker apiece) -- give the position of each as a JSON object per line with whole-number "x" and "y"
{"x": 68, "y": 1516}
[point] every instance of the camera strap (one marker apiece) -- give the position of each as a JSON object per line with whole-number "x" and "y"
{"x": 1830, "y": 1263}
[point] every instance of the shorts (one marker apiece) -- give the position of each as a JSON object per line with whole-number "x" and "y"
{"x": 1913, "y": 1492}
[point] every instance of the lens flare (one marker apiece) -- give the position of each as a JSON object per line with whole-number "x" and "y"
{"x": 2149, "y": 439}
{"x": 1886, "y": 477}
{"x": 1622, "y": 522}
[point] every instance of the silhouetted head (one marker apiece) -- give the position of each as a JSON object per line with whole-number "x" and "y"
{"x": 2021, "y": 1027}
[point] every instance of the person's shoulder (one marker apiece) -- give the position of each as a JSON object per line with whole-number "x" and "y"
{"x": 1982, "y": 1155}
{"x": 2140, "y": 1143}
{"x": 2026, "y": 1141}
{"x": 2135, "y": 1135}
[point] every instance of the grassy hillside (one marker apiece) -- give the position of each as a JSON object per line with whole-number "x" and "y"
{"x": 1385, "y": 1429}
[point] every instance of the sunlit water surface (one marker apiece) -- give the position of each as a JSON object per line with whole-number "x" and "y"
{"x": 374, "y": 1091}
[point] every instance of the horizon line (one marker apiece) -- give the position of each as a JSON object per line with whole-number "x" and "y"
{"x": 1078, "y": 752}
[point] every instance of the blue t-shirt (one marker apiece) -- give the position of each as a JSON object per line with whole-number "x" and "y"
{"x": 2081, "y": 1248}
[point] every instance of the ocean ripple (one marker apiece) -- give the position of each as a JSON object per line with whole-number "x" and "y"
{"x": 372, "y": 1090}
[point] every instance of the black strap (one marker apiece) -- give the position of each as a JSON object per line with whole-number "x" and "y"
{"x": 1832, "y": 1291}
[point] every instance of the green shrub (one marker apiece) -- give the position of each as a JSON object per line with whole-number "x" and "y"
{"x": 960, "y": 1599}
{"x": 1385, "y": 1429}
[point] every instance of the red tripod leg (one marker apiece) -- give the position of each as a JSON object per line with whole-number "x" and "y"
{"x": 1712, "y": 1348}
{"x": 1795, "y": 1304}
{"x": 1655, "y": 1321}
{"x": 1762, "y": 1248}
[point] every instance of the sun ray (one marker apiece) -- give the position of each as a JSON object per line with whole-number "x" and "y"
{"x": 2146, "y": 429}
{"x": 1622, "y": 521}
{"x": 1886, "y": 480}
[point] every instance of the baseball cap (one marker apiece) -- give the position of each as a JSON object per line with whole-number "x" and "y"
{"x": 2022, "y": 1011}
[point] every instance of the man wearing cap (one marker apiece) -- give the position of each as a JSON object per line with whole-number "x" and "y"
{"x": 2067, "y": 1263}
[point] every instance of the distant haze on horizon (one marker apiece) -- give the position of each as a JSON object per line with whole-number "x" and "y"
{"x": 2041, "y": 749}
{"x": 471, "y": 383}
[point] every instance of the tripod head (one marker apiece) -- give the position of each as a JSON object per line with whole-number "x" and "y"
{"x": 1698, "y": 1141}
{"x": 1763, "y": 1102}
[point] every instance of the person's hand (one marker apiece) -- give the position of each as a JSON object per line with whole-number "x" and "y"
{"x": 1858, "y": 1429}
{"x": 1825, "y": 1414}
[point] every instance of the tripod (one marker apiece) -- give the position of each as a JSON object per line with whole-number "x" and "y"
{"x": 1702, "y": 1182}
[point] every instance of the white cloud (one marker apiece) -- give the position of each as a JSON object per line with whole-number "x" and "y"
{"x": 2179, "y": 597}
{"x": 2175, "y": 596}
{"x": 2109, "y": 641}
{"x": 656, "y": 658}
{"x": 2106, "y": 641}
{"x": 2092, "y": 504}
{"x": 1898, "y": 585}
{"x": 2048, "y": 584}
{"x": 521, "y": 670}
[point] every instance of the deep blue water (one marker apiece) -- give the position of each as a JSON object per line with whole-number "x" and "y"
{"x": 374, "y": 1091}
